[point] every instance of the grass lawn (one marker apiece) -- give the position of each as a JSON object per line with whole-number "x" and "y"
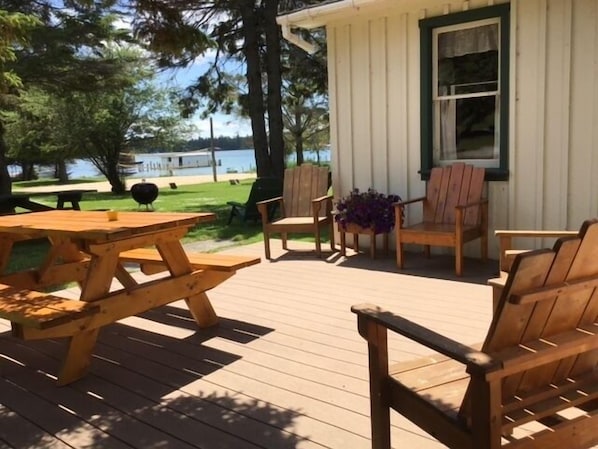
{"x": 205, "y": 197}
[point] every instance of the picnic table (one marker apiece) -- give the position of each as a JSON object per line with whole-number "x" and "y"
{"x": 10, "y": 201}
{"x": 87, "y": 248}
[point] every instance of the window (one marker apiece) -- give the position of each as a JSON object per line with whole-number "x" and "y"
{"x": 465, "y": 90}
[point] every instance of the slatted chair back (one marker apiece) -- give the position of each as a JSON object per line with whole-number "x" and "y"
{"x": 550, "y": 301}
{"x": 301, "y": 185}
{"x": 455, "y": 185}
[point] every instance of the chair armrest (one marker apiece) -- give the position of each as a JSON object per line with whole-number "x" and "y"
{"x": 399, "y": 207}
{"x": 533, "y": 233}
{"x": 268, "y": 201}
{"x": 321, "y": 199}
{"x": 505, "y": 242}
{"x": 475, "y": 360}
{"x": 411, "y": 201}
{"x": 262, "y": 207}
{"x": 316, "y": 205}
{"x": 475, "y": 203}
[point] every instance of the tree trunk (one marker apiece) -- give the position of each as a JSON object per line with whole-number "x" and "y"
{"x": 28, "y": 171}
{"x": 5, "y": 181}
{"x": 255, "y": 90}
{"x": 274, "y": 99}
{"x": 298, "y": 135}
{"x": 62, "y": 172}
{"x": 117, "y": 182}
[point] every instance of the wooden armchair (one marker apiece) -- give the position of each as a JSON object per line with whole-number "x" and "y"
{"x": 454, "y": 213}
{"x": 533, "y": 384}
{"x": 507, "y": 254}
{"x": 305, "y": 207}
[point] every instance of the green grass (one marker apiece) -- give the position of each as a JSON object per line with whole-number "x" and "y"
{"x": 206, "y": 197}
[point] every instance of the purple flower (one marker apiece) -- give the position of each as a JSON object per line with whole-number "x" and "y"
{"x": 367, "y": 209}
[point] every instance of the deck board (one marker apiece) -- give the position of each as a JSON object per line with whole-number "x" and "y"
{"x": 284, "y": 369}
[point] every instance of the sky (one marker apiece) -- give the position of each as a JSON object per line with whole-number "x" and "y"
{"x": 224, "y": 125}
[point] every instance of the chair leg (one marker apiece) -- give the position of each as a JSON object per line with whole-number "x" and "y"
{"x": 283, "y": 236}
{"x": 318, "y": 242}
{"x": 267, "y": 245}
{"x": 332, "y": 247}
{"x": 343, "y": 242}
{"x": 378, "y": 367}
{"x": 459, "y": 260}
{"x": 400, "y": 255}
{"x": 484, "y": 246}
{"x": 427, "y": 251}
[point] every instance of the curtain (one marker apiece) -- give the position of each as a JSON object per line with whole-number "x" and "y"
{"x": 470, "y": 40}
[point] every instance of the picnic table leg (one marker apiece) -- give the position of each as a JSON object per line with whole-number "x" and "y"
{"x": 78, "y": 357}
{"x": 201, "y": 310}
{"x": 176, "y": 260}
{"x": 97, "y": 284}
{"x": 5, "y": 252}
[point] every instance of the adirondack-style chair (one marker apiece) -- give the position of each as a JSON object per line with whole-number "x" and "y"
{"x": 305, "y": 206}
{"x": 454, "y": 213}
{"x": 533, "y": 383}
{"x": 261, "y": 189}
{"x": 507, "y": 253}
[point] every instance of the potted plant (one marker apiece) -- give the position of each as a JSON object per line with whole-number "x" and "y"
{"x": 372, "y": 211}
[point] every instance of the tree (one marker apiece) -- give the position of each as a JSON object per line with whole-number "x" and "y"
{"x": 30, "y": 133}
{"x": 305, "y": 98}
{"x": 53, "y": 45}
{"x": 238, "y": 31}
{"x": 106, "y": 123}
{"x": 15, "y": 30}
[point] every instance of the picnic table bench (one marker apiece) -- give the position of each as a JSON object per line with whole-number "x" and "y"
{"x": 10, "y": 201}
{"x": 151, "y": 262}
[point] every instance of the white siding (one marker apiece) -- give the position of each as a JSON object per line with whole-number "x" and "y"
{"x": 375, "y": 130}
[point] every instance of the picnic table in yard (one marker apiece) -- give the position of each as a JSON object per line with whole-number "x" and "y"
{"x": 89, "y": 249}
{"x": 10, "y": 201}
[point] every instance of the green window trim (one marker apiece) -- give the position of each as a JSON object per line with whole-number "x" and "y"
{"x": 427, "y": 26}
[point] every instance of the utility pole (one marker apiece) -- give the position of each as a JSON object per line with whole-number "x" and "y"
{"x": 212, "y": 150}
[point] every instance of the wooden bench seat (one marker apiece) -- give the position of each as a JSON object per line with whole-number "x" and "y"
{"x": 40, "y": 310}
{"x": 151, "y": 262}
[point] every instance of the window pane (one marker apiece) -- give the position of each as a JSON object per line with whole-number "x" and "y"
{"x": 468, "y": 60}
{"x": 467, "y": 129}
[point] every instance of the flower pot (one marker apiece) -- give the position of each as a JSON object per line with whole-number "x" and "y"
{"x": 355, "y": 229}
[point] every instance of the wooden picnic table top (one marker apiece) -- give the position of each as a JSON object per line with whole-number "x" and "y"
{"x": 95, "y": 224}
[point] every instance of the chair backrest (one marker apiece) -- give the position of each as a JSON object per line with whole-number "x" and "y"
{"x": 261, "y": 189}
{"x": 450, "y": 186}
{"x": 548, "y": 293}
{"x": 301, "y": 185}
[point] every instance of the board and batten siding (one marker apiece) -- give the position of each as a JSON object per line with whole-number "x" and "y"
{"x": 374, "y": 75}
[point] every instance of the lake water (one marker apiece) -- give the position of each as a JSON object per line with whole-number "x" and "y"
{"x": 240, "y": 161}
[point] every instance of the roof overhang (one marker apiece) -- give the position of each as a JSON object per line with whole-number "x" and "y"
{"x": 320, "y": 15}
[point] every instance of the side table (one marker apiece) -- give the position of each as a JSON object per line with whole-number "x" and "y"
{"x": 356, "y": 230}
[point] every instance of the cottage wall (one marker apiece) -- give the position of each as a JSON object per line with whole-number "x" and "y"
{"x": 553, "y": 150}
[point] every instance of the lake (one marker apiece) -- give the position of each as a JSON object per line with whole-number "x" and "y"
{"x": 240, "y": 161}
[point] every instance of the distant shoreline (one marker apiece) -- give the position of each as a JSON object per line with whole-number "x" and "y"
{"x": 161, "y": 182}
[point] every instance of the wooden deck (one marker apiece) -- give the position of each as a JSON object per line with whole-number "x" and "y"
{"x": 284, "y": 369}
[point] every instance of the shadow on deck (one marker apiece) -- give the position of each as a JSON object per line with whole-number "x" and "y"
{"x": 285, "y": 368}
